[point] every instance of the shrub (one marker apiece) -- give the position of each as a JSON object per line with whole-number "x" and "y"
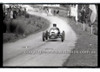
{"x": 27, "y": 15}
{"x": 4, "y": 27}
{"x": 22, "y": 26}
{"x": 8, "y": 37}
{"x": 12, "y": 27}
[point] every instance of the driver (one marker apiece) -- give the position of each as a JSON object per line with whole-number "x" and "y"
{"x": 55, "y": 27}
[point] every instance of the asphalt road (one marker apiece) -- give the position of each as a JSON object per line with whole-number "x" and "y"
{"x": 32, "y": 51}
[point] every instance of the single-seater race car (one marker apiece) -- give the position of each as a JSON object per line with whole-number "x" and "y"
{"x": 53, "y": 33}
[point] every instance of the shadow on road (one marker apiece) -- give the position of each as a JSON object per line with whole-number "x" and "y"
{"x": 54, "y": 40}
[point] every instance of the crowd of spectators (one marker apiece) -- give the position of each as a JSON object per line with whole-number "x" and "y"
{"x": 87, "y": 17}
{"x": 13, "y": 11}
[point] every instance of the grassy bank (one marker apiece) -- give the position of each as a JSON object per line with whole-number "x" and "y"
{"x": 85, "y": 42}
{"x": 23, "y": 26}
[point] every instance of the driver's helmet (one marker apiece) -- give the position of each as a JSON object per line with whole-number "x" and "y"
{"x": 54, "y": 25}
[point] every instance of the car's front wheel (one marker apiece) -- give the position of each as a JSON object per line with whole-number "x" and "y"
{"x": 46, "y": 35}
{"x": 43, "y": 36}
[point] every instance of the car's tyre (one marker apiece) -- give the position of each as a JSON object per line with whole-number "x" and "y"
{"x": 46, "y": 35}
{"x": 63, "y": 36}
{"x": 43, "y": 36}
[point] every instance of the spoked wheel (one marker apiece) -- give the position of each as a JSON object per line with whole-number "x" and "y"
{"x": 63, "y": 36}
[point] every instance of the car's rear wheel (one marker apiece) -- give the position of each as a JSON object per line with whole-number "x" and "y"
{"x": 63, "y": 36}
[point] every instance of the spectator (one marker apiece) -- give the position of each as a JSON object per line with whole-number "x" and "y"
{"x": 83, "y": 14}
{"x": 11, "y": 14}
{"x": 93, "y": 16}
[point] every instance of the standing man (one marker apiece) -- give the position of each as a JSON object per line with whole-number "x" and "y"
{"x": 11, "y": 14}
{"x": 83, "y": 15}
{"x": 93, "y": 15}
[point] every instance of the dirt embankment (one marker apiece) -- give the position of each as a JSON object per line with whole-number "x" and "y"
{"x": 22, "y": 26}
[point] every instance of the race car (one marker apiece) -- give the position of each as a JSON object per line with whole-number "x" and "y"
{"x": 53, "y": 33}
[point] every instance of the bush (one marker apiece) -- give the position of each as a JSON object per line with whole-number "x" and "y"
{"x": 30, "y": 29}
{"x": 22, "y": 26}
{"x": 8, "y": 37}
{"x": 13, "y": 27}
{"x": 20, "y": 29}
{"x": 27, "y": 15}
{"x": 4, "y": 27}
